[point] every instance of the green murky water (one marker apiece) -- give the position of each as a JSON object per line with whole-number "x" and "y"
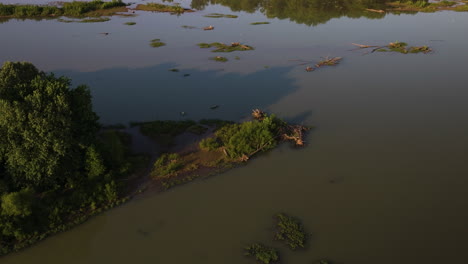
{"x": 384, "y": 176}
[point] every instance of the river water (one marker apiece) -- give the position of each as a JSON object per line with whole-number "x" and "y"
{"x": 382, "y": 180}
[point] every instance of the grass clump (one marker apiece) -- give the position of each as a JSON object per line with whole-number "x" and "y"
{"x": 166, "y": 165}
{"x": 130, "y": 23}
{"x": 259, "y": 23}
{"x": 220, "y": 47}
{"x": 262, "y": 253}
{"x": 156, "y": 43}
{"x": 176, "y": 9}
{"x": 290, "y": 231}
{"x": 219, "y": 58}
{"x": 218, "y": 15}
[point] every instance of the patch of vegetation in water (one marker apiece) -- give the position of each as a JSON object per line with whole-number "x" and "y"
{"x": 291, "y": 231}
{"x": 94, "y": 20}
{"x": 219, "y": 58}
{"x": 130, "y": 23}
{"x": 188, "y": 27}
{"x": 174, "y": 70}
{"x": 69, "y": 9}
{"x": 259, "y": 23}
{"x": 156, "y": 7}
{"x": 262, "y": 253}
{"x": 156, "y": 43}
{"x": 220, "y": 47}
{"x": 218, "y": 15}
{"x": 400, "y": 47}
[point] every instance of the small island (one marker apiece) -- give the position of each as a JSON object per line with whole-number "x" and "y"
{"x": 59, "y": 166}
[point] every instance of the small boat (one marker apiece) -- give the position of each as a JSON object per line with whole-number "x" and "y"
{"x": 208, "y": 28}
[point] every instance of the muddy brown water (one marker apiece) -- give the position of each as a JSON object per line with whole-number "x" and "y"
{"x": 382, "y": 180}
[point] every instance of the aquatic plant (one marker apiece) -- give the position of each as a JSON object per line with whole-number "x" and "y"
{"x": 188, "y": 27}
{"x": 259, "y": 23}
{"x": 220, "y": 47}
{"x": 219, "y": 58}
{"x": 262, "y": 253}
{"x": 291, "y": 231}
{"x": 218, "y": 15}
{"x": 130, "y": 23}
{"x": 156, "y": 43}
{"x": 177, "y": 9}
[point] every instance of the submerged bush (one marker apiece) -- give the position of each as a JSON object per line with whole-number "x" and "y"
{"x": 262, "y": 253}
{"x": 290, "y": 231}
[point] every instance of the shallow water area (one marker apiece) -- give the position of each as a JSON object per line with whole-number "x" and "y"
{"x": 382, "y": 180}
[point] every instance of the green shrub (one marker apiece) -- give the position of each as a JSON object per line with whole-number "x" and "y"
{"x": 248, "y": 137}
{"x": 290, "y": 231}
{"x": 17, "y": 203}
{"x": 262, "y": 253}
{"x": 209, "y": 144}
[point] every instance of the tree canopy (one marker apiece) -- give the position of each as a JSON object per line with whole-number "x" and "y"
{"x": 56, "y": 167}
{"x": 44, "y": 125}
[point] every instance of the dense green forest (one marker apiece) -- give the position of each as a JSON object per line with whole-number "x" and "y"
{"x": 309, "y": 12}
{"x": 57, "y": 166}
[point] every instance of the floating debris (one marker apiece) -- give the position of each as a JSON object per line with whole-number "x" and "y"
{"x": 375, "y": 10}
{"x": 328, "y": 62}
{"x": 174, "y": 70}
{"x": 188, "y": 27}
{"x": 104, "y": 33}
{"x": 186, "y": 75}
{"x": 309, "y": 69}
{"x": 213, "y": 107}
{"x": 208, "y": 28}
{"x": 130, "y": 23}
{"x": 183, "y": 113}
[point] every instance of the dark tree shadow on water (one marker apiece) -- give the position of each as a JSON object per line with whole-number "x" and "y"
{"x": 121, "y": 95}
